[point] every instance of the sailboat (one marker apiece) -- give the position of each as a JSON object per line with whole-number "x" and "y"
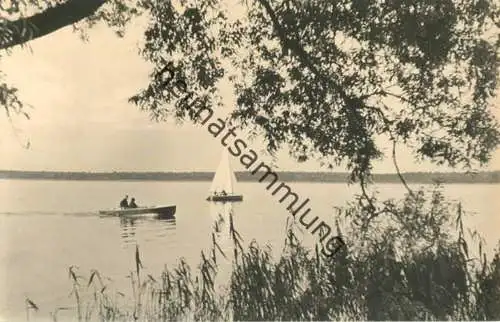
{"x": 222, "y": 188}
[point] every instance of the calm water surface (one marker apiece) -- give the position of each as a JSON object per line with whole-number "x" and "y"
{"x": 47, "y": 226}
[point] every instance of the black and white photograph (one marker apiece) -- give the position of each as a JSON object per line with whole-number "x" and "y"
{"x": 249, "y": 160}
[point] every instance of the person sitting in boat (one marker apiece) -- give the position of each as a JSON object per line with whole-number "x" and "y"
{"x": 132, "y": 203}
{"x": 124, "y": 202}
{"x": 223, "y": 193}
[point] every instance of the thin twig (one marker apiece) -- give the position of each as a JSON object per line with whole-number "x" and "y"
{"x": 394, "y": 160}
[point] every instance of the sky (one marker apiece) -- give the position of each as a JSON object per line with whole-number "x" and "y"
{"x": 81, "y": 119}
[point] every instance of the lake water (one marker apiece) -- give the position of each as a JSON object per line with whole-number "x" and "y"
{"x": 47, "y": 226}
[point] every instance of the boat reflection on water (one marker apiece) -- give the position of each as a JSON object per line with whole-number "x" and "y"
{"x": 145, "y": 228}
{"x": 222, "y": 213}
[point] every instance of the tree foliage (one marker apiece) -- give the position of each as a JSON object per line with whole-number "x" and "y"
{"x": 329, "y": 78}
{"x": 24, "y": 20}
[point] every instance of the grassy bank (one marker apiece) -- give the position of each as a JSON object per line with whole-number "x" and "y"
{"x": 413, "y": 260}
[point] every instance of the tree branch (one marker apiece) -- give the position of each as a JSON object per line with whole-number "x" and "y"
{"x": 401, "y": 177}
{"x": 294, "y": 47}
{"x": 22, "y": 30}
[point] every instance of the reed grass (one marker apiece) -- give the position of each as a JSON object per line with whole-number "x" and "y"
{"x": 413, "y": 261}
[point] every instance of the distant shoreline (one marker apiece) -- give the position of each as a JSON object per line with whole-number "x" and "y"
{"x": 327, "y": 177}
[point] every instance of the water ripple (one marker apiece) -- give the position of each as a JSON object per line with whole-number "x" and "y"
{"x": 140, "y": 230}
{"x": 48, "y": 213}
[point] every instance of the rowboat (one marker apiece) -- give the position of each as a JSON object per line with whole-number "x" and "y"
{"x": 159, "y": 211}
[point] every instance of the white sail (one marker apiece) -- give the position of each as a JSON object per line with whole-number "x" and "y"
{"x": 224, "y": 179}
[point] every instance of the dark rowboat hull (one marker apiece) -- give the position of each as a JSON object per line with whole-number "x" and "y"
{"x": 229, "y": 198}
{"x": 160, "y": 212}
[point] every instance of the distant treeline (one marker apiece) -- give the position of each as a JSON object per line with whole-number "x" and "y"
{"x": 411, "y": 177}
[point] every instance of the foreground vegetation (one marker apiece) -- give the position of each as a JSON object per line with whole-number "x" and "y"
{"x": 413, "y": 261}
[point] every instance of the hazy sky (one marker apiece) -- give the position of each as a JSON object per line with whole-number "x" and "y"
{"x": 82, "y": 121}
